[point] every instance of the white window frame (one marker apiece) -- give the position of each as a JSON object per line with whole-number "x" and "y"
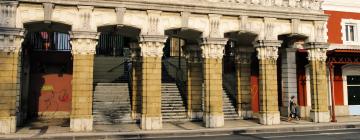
{"x": 356, "y": 24}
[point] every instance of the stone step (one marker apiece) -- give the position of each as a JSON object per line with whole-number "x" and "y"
{"x": 173, "y": 117}
{"x": 172, "y": 102}
{"x": 112, "y": 84}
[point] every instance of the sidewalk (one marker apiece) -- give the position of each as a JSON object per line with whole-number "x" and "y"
{"x": 132, "y": 131}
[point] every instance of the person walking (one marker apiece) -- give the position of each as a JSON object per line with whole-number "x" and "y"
{"x": 294, "y": 109}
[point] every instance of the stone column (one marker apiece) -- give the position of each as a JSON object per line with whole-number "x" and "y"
{"x": 267, "y": 53}
{"x": 318, "y": 82}
{"x": 10, "y": 46}
{"x": 83, "y": 50}
{"x": 289, "y": 79}
{"x": 194, "y": 82}
{"x": 151, "y": 52}
{"x": 135, "y": 80}
{"x": 243, "y": 74}
{"x": 212, "y": 52}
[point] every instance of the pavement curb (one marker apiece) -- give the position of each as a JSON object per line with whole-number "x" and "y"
{"x": 189, "y": 133}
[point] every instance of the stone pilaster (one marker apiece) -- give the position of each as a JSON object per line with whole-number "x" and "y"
{"x": 212, "y": 52}
{"x": 318, "y": 82}
{"x": 83, "y": 50}
{"x": 243, "y": 74}
{"x": 267, "y": 53}
{"x": 151, "y": 52}
{"x": 135, "y": 81}
{"x": 10, "y": 46}
{"x": 289, "y": 79}
{"x": 194, "y": 82}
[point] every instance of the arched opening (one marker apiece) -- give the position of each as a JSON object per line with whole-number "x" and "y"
{"x": 46, "y": 74}
{"x": 241, "y": 72}
{"x": 113, "y": 98}
{"x": 176, "y": 100}
{"x": 291, "y": 73}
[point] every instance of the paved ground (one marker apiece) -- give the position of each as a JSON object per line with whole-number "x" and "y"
{"x": 59, "y": 129}
{"x": 348, "y": 134}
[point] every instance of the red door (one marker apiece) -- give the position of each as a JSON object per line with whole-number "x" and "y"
{"x": 50, "y": 85}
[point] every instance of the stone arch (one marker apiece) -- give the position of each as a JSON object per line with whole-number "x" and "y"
{"x": 293, "y": 40}
{"x": 191, "y": 35}
{"x": 130, "y": 31}
{"x": 242, "y": 38}
{"x": 41, "y": 25}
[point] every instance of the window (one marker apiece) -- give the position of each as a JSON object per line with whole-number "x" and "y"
{"x": 350, "y": 32}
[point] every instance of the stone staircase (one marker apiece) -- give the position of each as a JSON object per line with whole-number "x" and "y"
{"x": 111, "y": 103}
{"x": 172, "y": 105}
{"x": 229, "y": 107}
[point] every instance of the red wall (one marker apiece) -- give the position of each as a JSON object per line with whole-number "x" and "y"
{"x": 338, "y": 86}
{"x": 334, "y": 24}
{"x": 50, "y": 82}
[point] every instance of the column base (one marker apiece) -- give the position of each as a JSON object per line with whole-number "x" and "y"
{"x": 305, "y": 111}
{"x": 269, "y": 118}
{"x": 319, "y": 117}
{"x": 135, "y": 116}
{"x": 213, "y": 120}
{"x": 151, "y": 123}
{"x": 196, "y": 115}
{"x": 246, "y": 114}
{"x": 7, "y": 125}
{"x": 81, "y": 123}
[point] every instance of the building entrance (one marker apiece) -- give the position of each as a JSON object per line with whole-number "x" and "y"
{"x": 353, "y": 86}
{"x": 48, "y": 62}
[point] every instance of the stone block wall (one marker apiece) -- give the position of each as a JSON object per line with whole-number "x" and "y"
{"x": 9, "y": 89}
{"x": 213, "y": 100}
{"x": 82, "y": 90}
{"x": 151, "y": 93}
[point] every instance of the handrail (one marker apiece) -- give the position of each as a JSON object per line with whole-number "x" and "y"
{"x": 110, "y": 70}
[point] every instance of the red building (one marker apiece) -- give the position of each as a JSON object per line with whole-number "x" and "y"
{"x": 344, "y": 55}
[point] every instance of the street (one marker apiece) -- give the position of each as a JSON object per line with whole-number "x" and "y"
{"x": 348, "y": 134}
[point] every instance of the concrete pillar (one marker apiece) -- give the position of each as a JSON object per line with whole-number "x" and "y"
{"x": 135, "y": 81}
{"x": 151, "y": 52}
{"x": 212, "y": 52}
{"x": 288, "y": 77}
{"x": 10, "y": 46}
{"x": 83, "y": 50}
{"x": 318, "y": 81}
{"x": 267, "y": 53}
{"x": 194, "y": 82}
{"x": 243, "y": 74}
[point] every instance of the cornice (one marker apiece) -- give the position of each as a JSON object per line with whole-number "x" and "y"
{"x": 201, "y": 7}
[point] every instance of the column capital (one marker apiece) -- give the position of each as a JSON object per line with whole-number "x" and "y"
{"x": 152, "y": 45}
{"x": 316, "y": 51}
{"x": 83, "y": 42}
{"x": 11, "y": 39}
{"x": 267, "y": 49}
{"x": 213, "y": 47}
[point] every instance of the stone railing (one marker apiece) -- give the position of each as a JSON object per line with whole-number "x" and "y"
{"x": 307, "y": 4}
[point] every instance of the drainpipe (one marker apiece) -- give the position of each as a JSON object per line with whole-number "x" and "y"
{"x": 333, "y": 117}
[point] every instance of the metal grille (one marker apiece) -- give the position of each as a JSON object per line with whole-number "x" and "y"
{"x": 110, "y": 45}
{"x": 49, "y": 41}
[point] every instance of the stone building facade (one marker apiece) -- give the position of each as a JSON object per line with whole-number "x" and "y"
{"x": 264, "y": 38}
